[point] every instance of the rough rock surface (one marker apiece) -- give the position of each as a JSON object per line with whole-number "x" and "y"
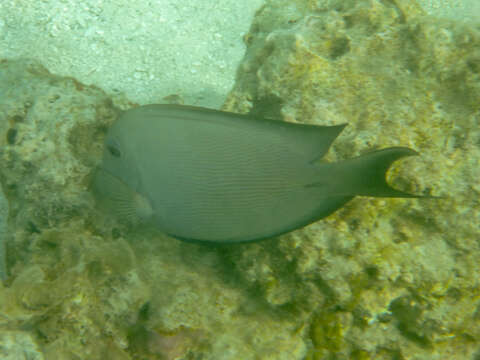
{"x": 379, "y": 279}
{"x": 82, "y": 286}
{"x": 3, "y": 235}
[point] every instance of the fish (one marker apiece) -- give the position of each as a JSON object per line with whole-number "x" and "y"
{"x": 212, "y": 176}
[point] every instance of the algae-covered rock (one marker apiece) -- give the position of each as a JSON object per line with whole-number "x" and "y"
{"x": 379, "y": 279}
{"x": 19, "y": 345}
{"x": 388, "y": 278}
{"x": 82, "y": 286}
{"x": 3, "y": 235}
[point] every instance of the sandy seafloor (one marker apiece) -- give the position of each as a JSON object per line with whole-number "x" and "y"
{"x": 147, "y": 49}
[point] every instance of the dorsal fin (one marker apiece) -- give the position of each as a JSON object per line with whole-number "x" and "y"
{"x": 313, "y": 141}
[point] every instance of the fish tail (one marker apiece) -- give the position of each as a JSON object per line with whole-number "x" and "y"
{"x": 366, "y": 174}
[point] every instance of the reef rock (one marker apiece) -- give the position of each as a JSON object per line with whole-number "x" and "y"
{"x": 381, "y": 278}
{"x": 82, "y": 286}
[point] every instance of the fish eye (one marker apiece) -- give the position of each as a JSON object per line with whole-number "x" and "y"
{"x": 113, "y": 151}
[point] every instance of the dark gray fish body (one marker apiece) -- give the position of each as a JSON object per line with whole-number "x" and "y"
{"x": 212, "y": 176}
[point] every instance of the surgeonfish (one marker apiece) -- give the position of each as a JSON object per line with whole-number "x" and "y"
{"x": 211, "y": 176}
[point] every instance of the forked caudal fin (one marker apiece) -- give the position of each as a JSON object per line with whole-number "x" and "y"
{"x": 365, "y": 175}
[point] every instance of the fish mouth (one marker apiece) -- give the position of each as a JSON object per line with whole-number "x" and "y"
{"x": 115, "y": 196}
{"x": 102, "y": 181}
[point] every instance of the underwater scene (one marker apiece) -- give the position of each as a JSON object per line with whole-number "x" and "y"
{"x": 307, "y": 188}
